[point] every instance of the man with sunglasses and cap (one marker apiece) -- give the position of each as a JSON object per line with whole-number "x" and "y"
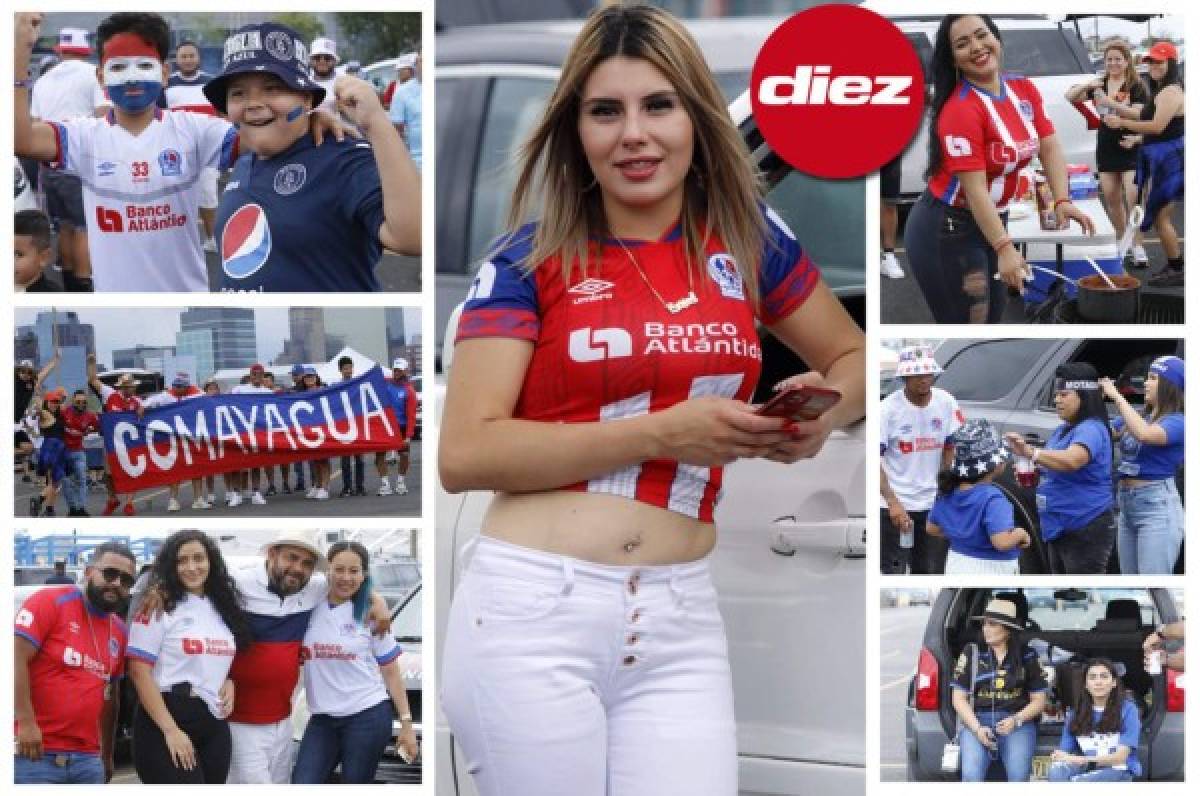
{"x": 79, "y": 421}
{"x": 122, "y": 398}
{"x": 322, "y": 61}
{"x": 1000, "y": 706}
{"x": 68, "y": 657}
{"x": 296, "y": 217}
{"x": 915, "y": 426}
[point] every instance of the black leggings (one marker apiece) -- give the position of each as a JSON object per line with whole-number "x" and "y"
{"x": 1085, "y": 551}
{"x": 954, "y": 264}
{"x": 209, "y": 735}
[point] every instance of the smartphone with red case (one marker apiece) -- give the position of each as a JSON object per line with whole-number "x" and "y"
{"x": 801, "y": 403}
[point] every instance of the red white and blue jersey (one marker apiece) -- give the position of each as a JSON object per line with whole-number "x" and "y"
{"x": 305, "y": 220}
{"x": 140, "y": 196}
{"x": 996, "y": 134}
{"x": 605, "y": 348}
{"x": 265, "y": 674}
{"x": 187, "y": 93}
{"x": 79, "y": 650}
{"x": 115, "y": 401}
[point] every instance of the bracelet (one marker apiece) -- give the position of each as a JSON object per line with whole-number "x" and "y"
{"x": 1058, "y": 202}
{"x": 1000, "y": 244}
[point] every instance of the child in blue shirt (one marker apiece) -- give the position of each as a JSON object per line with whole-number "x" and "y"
{"x": 971, "y": 512}
{"x": 1100, "y": 735}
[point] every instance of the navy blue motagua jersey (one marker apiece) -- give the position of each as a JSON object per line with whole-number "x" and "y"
{"x": 305, "y": 220}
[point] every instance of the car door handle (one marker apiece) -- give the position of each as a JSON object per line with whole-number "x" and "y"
{"x": 845, "y": 537}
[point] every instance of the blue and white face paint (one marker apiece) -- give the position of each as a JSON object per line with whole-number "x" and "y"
{"x": 133, "y": 82}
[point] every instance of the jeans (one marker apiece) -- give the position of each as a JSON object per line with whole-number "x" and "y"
{"x": 356, "y": 741}
{"x": 927, "y": 556}
{"x": 75, "y": 490}
{"x": 1149, "y": 528}
{"x": 1084, "y": 551}
{"x": 1076, "y": 772}
{"x": 78, "y": 768}
{"x": 565, "y": 677}
{"x": 953, "y": 263}
{"x": 1015, "y": 750}
{"x": 359, "y": 471}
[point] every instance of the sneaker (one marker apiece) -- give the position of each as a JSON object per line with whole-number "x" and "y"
{"x": 321, "y": 494}
{"x": 83, "y": 513}
{"x": 199, "y": 504}
{"x": 235, "y": 500}
{"x": 35, "y": 506}
{"x": 210, "y": 245}
{"x": 346, "y": 492}
{"x": 385, "y": 489}
{"x": 1168, "y": 277}
{"x": 257, "y": 499}
{"x": 310, "y": 494}
{"x": 231, "y": 499}
{"x": 129, "y": 510}
{"x": 271, "y": 491}
{"x": 401, "y": 487}
{"x": 172, "y": 505}
{"x": 48, "y": 511}
{"x": 110, "y": 507}
{"x": 1140, "y": 258}
{"x": 889, "y": 267}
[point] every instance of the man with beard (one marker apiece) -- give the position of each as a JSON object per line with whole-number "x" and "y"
{"x": 68, "y": 656}
{"x": 279, "y": 596}
{"x": 915, "y": 427}
{"x": 322, "y": 60}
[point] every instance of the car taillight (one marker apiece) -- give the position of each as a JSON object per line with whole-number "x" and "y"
{"x": 927, "y": 696}
{"x": 1175, "y": 691}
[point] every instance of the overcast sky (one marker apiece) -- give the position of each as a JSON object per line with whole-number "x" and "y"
{"x": 126, "y": 328}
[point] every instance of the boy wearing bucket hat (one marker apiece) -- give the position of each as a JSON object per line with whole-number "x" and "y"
{"x": 1150, "y": 517}
{"x": 296, "y": 217}
{"x": 971, "y": 512}
{"x": 915, "y": 424}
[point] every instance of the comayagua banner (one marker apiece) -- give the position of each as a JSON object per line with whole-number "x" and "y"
{"x": 208, "y": 435}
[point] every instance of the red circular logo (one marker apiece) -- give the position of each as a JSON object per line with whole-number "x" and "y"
{"x": 837, "y": 91}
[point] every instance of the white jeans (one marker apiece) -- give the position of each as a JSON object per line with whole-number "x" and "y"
{"x": 566, "y": 677}
{"x": 262, "y": 753}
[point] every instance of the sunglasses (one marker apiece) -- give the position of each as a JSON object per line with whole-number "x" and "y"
{"x": 1152, "y": 61}
{"x": 111, "y": 574}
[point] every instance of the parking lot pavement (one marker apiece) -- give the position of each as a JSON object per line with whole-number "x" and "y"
{"x": 901, "y": 300}
{"x": 153, "y": 502}
{"x": 901, "y": 631}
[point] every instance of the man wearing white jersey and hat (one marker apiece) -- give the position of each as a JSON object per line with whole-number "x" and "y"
{"x": 915, "y": 424}
{"x": 404, "y": 398}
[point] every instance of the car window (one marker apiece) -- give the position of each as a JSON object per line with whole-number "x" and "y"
{"x": 406, "y": 623}
{"x": 1055, "y": 613}
{"x": 1040, "y": 53}
{"x": 395, "y": 576}
{"x": 832, "y": 237}
{"x": 920, "y": 43}
{"x": 989, "y": 370}
{"x": 513, "y": 108}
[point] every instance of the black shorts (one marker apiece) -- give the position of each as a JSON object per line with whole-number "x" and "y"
{"x": 889, "y": 181}
{"x": 20, "y": 438}
{"x": 64, "y": 198}
{"x": 1112, "y": 157}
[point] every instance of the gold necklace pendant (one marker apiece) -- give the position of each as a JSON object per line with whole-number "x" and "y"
{"x": 673, "y": 307}
{"x": 676, "y": 307}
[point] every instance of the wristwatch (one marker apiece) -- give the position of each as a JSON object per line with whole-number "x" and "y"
{"x": 406, "y": 717}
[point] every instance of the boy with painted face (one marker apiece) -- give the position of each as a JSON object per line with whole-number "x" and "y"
{"x": 139, "y": 166}
{"x": 296, "y": 217}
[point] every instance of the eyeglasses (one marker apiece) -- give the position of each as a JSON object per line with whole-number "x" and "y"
{"x": 111, "y": 574}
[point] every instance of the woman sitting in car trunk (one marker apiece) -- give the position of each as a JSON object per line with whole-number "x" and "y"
{"x": 1100, "y": 736}
{"x": 998, "y": 698}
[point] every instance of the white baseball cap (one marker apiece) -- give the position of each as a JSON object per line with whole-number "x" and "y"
{"x": 304, "y": 539}
{"x": 323, "y": 46}
{"x": 399, "y": 363}
{"x": 407, "y": 61}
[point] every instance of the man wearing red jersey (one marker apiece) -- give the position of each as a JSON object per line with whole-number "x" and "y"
{"x": 121, "y": 399}
{"x": 79, "y": 421}
{"x": 69, "y": 653}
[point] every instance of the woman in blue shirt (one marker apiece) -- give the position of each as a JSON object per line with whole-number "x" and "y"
{"x": 1150, "y": 513}
{"x": 1075, "y": 495}
{"x": 1100, "y": 736}
{"x": 971, "y": 512}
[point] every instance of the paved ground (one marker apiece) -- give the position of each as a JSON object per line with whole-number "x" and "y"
{"x": 153, "y": 502}
{"x": 901, "y": 630}
{"x": 901, "y": 300}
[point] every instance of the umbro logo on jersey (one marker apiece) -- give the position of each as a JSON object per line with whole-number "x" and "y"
{"x": 593, "y": 345}
{"x": 106, "y": 168}
{"x": 24, "y": 618}
{"x": 591, "y": 290}
{"x": 957, "y": 147}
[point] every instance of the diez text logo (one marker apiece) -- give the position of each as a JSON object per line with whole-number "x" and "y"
{"x": 833, "y": 110}
{"x": 593, "y": 345}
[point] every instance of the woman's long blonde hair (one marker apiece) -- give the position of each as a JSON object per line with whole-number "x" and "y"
{"x": 1131, "y": 79}
{"x": 721, "y": 191}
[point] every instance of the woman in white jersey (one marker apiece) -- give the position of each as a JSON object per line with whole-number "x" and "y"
{"x": 179, "y": 659}
{"x": 352, "y": 680}
{"x": 601, "y": 376}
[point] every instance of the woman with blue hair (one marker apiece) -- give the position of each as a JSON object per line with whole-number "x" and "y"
{"x": 1150, "y": 518}
{"x": 351, "y": 679}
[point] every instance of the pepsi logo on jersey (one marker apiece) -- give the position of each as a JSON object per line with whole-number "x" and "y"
{"x": 245, "y": 242}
